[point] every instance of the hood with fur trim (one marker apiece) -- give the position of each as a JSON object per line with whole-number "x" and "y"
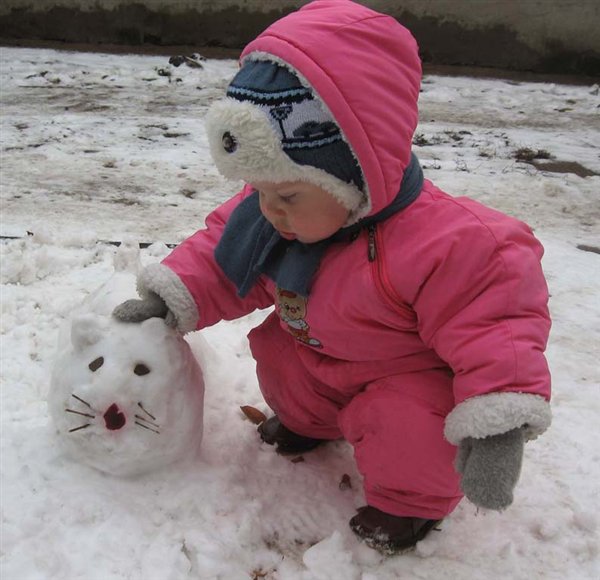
{"x": 365, "y": 68}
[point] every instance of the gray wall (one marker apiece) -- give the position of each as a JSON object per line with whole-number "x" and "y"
{"x": 541, "y": 35}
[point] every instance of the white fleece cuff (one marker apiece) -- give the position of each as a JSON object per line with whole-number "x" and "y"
{"x": 498, "y": 413}
{"x": 163, "y": 281}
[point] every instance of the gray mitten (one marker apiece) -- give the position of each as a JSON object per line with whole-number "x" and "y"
{"x": 153, "y": 306}
{"x": 490, "y": 468}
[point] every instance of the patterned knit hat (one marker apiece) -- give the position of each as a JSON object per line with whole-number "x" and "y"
{"x": 273, "y": 127}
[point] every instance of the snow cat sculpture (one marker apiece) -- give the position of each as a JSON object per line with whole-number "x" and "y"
{"x": 125, "y": 398}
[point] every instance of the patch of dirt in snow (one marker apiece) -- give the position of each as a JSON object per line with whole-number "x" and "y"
{"x": 127, "y": 131}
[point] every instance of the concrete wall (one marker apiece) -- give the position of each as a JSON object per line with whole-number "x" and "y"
{"x": 541, "y": 35}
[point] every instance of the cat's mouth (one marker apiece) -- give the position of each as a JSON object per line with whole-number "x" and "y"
{"x": 114, "y": 419}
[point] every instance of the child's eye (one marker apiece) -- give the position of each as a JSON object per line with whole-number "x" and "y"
{"x": 288, "y": 198}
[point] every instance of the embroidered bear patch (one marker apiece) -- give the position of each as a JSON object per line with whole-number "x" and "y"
{"x": 291, "y": 308}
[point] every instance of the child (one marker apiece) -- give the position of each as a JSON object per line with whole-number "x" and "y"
{"x": 408, "y": 322}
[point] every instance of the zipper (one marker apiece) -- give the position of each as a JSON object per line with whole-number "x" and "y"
{"x": 376, "y": 256}
{"x": 372, "y": 250}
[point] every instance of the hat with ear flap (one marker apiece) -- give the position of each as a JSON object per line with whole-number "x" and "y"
{"x": 273, "y": 127}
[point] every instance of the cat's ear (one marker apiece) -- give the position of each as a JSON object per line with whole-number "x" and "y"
{"x": 154, "y": 325}
{"x": 87, "y": 330}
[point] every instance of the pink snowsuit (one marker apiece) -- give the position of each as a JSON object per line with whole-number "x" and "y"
{"x": 428, "y": 330}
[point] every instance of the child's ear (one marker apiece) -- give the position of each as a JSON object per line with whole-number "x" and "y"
{"x": 87, "y": 330}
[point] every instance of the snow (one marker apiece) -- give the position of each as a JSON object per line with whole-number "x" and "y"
{"x": 106, "y": 147}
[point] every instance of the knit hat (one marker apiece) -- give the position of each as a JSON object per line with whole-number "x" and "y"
{"x": 273, "y": 127}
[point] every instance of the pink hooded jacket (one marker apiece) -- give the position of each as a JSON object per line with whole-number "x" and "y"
{"x": 454, "y": 285}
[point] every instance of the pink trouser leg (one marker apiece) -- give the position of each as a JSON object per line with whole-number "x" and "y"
{"x": 395, "y": 425}
{"x": 302, "y": 403}
{"x": 396, "y": 428}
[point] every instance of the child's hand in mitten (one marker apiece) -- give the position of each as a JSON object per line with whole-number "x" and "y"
{"x": 490, "y": 468}
{"x": 149, "y": 307}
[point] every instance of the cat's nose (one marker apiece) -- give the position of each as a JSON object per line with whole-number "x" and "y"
{"x": 114, "y": 419}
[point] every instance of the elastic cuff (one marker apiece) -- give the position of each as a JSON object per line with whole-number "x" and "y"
{"x": 413, "y": 504}
{"x": 163, "y": 281}
{"x": 498, "y": 413}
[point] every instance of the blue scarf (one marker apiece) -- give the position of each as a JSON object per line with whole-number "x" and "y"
{"x": 250, "y": 245}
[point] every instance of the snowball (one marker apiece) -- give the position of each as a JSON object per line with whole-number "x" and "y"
{"x": 125, "y": 398}
{"x": 329, "y": 560}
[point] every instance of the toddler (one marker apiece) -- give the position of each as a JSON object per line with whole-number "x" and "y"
{"x": 408, "y": 322}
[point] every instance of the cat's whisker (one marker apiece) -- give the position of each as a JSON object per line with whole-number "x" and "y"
{"x": 80, "y": 427}
{"x": 149, "y": 428}
{"x": 82, "y": 401}
{"x": 80, "y": 413}
{"x": 147, "y": 413}
{"x": 147, "y": 421}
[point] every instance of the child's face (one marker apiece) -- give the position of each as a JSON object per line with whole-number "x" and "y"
{"x": 301, "y": 211}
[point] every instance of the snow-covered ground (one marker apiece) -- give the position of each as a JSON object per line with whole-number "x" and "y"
{"x": 105, "y": 147}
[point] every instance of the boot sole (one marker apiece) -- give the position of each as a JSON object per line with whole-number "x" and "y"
{"x": 388, "y": 548}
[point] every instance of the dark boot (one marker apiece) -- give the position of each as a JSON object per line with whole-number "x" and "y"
{"x": 273, "y": 432}
{"x": 389, "y": 534}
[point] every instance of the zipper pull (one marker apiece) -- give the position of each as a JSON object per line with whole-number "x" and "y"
{"x": 372, "y": 253}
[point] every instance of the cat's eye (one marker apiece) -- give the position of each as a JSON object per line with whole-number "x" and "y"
{"x": 96, "y": 364}
{"x": 141, "y": 369}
